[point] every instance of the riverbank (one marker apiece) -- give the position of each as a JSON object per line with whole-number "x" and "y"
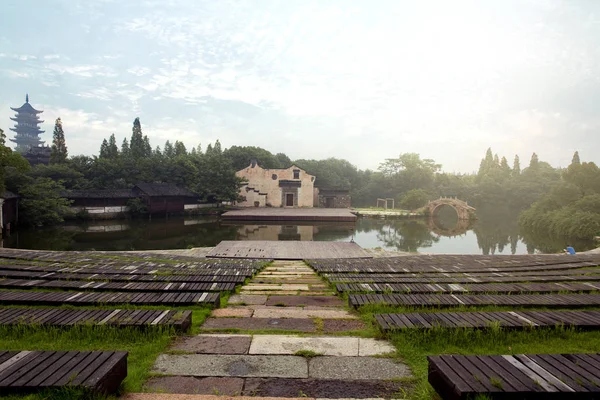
{"x": 385, "y": 213}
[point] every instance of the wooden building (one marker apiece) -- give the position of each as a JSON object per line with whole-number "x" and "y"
{"x": 285, "y": 187}
{"x": 164, "y": 198}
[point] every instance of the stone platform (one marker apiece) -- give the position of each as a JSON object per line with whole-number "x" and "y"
{"x": 287, "y": 250}
{"x": 290, "y": 214}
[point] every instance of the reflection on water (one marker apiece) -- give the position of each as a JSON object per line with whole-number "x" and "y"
{"x": 445, "y": 234}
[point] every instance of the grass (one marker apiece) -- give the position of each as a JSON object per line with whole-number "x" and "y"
{"x": 307, "y": 353}
{"x": 413, "y": 346}
{"x": 143, "y": 346}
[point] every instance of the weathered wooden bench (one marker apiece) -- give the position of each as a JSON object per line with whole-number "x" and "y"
{"x": 531, "y": 376}
{"x": 109, "y": 298}
{"x": 481, "y": 319}
{"x": 180, "y": 320}
{"x": 451, "y": 300}
{"x": 27, "y": 371}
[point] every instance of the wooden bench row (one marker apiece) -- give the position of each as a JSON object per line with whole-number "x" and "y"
{"x": 455, "y": 300}
{"x": 455, "y": 263}
{"x": 530, "y": 376}
{"x": 505, "y": 319}
{"x": 180, "y": 320}
{"x": 122, "y": 277}
{"x": 96, "y": 286}
{"x": 470, "y": 288}
{"x": 70, "y": 269}
{"x": 469, "y": 280}
{"x": 29, "y": 371}
{"x": 112, "y": 298}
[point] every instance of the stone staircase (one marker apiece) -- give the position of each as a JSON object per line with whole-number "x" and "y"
{"x": 280, "y": 337}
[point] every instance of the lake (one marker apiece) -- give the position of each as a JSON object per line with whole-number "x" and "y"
{"x": 442, "y": 235}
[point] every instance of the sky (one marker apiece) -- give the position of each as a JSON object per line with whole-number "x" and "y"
{"x": 363, "y": 80}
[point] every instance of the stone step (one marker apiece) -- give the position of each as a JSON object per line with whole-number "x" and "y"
{"x": 281, "y": 312}
{"x": 328, "y": 346}
{"x": 349, "y": 346}
{"x": 283, "y": 324}
{"x": 247, "y": 299}
{"x": 327, "y": 301}
{"x": 205, "y": 389}
{"x": 266, "y": 366}
{"x": 266, "y": 286}
{"x": 287, "y": 292}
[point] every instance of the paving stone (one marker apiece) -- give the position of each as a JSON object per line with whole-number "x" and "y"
{"x": 327, "y": 389}
{"x": 174, "y": 396}
{"x": 287, "y": 324}
{"x": 340, "y": 325}
{"x": 356, "y": 368}
{"x": 373, "y": 347}
{"x": 193, "y": 385}
{"x": 293, "y": 312}
{"x": 232, "y": 312}
{"x": 288, "y": 344}
{"x": 326, "y": 301}
{"x": 247, "y": 299}
{"x": 232, "y": 365}
{"x": 284, "y": 286}
{"x": 214, "y": 344}
{"x": 288, "y": 293}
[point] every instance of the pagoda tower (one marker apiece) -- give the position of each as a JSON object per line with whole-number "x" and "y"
{"x": 27, "y": 129}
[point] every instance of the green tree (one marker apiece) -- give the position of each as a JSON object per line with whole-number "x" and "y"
{"x": 575, "y": 160}
{"x": 180, "y": 149}
{"x": 41, "y": 203}
{"x": 169, "y": 150}
{"x": 125, "y": 151}
{"x": 112, "y": 149}
{"x": 136, "y": 144}
{"x": 414, "y": 199}
{"x": 59, "y": 152}
{"x": 534, "y": 162}
{"x": 104, "y": 149}
{"x": 516, "y": 171}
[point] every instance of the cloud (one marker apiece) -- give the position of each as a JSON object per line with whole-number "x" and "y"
{"x": 85, "y": 71}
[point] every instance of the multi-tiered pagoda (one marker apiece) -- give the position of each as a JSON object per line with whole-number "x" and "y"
{"x": 27, "y": 128}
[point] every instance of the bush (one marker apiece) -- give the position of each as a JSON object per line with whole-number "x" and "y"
{"x": 136, "y": 207}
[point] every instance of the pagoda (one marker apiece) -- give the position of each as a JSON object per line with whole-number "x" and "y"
{"x": 27, "y": 128}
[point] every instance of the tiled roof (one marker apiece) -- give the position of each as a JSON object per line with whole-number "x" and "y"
{"x": 163, "y": 189}
{"x": 99, "y": 194}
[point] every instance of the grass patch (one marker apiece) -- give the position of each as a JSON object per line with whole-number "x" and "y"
{"x": 307, "y": 353}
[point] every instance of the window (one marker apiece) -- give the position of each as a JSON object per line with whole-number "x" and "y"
{"x": 274, "y": 177}
{"x": 296, "y": 174}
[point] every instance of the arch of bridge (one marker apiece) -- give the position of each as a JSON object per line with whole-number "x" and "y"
{"x": 463, "y": 210}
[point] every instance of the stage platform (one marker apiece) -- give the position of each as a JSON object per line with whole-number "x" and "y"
{"x": 286, "y": 250}
{"x": 290, "y": 214}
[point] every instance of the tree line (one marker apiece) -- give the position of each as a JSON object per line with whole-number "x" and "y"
{"x": 556, "y": 200}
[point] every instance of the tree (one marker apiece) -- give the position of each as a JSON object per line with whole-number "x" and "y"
{"x": 59, "y": 152}
{"x": 504, "y": 167}
{"x": 125, "y": 152}
{"x": 104, "y": 149}
{"x": 180, "y": 149}
{"x": 516, "y": 171}
{"x": 41, "y": 203}
{"x": 414, "y": 199}
{"x": 112, "y": 149}
{"x": 534, "y": 162}
{"x": 575, "y": 160}
{"x": 136, "y": 144}
{"x": 169, "y": 150}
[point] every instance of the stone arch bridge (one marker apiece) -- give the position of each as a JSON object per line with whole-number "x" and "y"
{"x": 462, "y": 208}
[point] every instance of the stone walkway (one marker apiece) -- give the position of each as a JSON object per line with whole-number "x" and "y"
{"x": 271, "y": 340}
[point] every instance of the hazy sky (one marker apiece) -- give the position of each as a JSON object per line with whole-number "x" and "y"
{"x": 363, "y": 80}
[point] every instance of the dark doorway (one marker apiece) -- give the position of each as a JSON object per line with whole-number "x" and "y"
{"x": 329, "y": 202}
{"x": 289, "y": 200}
{"x": 256, "y": 204}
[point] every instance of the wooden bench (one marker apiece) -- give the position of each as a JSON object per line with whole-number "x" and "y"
{"x": 180, "y": 320}
{"x": 103, "y": 286}
{"x": 481, "y": 319}
{"x": 112, "y": 298}
{"x": 27, "y": 371}
{"x": 451, "y": 300}
{"x": 537, "y": 376}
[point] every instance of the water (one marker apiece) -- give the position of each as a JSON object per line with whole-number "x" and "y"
{"x": 443, "y": 235}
